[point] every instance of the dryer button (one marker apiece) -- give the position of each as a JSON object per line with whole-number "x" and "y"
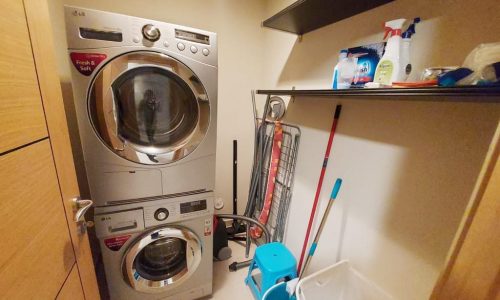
{"x": 205, "y": 52}
{"x": 194, "y": 49}
{"x": 136, "y": 39}
{"x": 181, "y": 46}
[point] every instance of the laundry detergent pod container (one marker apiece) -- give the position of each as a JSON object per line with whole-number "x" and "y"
{"x": 338, "y": 282}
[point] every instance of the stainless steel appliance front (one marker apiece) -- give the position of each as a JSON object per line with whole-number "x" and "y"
{"x": 146, "y": 105}
{"x": 159, "y": 249}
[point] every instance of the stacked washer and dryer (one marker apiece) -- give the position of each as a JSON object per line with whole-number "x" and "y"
{"x": 146, "y": 99}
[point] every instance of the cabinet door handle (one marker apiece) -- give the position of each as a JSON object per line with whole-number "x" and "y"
{"x": 80, "y": 207}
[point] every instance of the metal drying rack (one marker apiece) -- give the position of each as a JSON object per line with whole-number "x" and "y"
{"x": 282, "y": 193}
{"x": 284, "y": 179}
{"x": 264, "y": 133}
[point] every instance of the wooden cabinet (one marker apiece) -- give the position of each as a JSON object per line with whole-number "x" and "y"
{"x": 21, "y": 113}
{"x": 72, "y": 288}
{"x": 35, "y": 239}
{"x": 43, "y": 255}
{"x": 473, "y": 268}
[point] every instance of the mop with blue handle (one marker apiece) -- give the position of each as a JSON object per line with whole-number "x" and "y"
{"x": 293, "y": 283}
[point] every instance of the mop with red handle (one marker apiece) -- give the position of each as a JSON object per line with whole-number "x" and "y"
{"x": 320, "y": 184}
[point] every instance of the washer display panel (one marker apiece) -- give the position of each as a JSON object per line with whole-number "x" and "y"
{"x": 162, "y": 259}
{"x": 149, "y": 108}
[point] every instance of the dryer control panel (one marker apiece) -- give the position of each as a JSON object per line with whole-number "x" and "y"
{"x": 91, "y": 29}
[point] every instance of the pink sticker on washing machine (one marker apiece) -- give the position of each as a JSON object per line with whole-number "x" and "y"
{"x": 86, "y": 63}
{"x": 116, "y": 243}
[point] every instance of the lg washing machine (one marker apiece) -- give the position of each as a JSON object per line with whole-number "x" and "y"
{"x": 145, "y": 97}
{"x": 159, "y": 249}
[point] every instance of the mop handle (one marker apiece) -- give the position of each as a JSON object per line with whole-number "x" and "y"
{"x": 333, "y": 196}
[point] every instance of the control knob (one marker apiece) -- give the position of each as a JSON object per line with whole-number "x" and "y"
{"x": 161, "y": 214}
{"x": 151, "y": 32}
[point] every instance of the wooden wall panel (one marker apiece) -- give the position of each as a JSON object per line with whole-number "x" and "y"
{"x": 42, "y": 43}
{"x": 21, "y": 114}
{"x": 36, "y": 250}
{"x": 473, "y": 268}
{"x": 72, "y": 288}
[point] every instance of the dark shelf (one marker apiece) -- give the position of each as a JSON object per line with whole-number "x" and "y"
{"x": 304, "y": 16}
{"x": 453, "y": 94}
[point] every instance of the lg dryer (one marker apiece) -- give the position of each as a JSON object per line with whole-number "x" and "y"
{"x": 145, "y": 95}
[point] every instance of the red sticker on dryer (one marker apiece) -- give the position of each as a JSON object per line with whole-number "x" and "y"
{"x": 116, "y": 243}
{"x": 86, "y": 63}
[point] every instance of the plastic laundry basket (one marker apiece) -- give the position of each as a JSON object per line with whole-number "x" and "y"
{"x": 338, "y": 282}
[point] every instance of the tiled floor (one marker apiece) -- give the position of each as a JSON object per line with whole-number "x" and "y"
{"x": 231, "y": 285}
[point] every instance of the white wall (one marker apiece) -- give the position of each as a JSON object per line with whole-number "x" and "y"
{"x": 408, "y": 167}
{"x": 237, "y": 24}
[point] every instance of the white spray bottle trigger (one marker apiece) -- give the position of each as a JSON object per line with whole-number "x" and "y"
{"x": 394, "y": 27}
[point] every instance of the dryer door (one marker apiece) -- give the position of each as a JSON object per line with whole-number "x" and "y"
{"x": 148, "y": 107}
{"x": 161, "y": 259}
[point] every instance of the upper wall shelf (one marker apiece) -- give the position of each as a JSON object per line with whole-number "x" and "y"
{"x": 484, "y": 93}
{"x": 304, "y": 16}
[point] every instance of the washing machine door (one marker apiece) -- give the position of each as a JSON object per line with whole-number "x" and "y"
{"x": 148, "y": 107}
{"x": 162, "y": 259}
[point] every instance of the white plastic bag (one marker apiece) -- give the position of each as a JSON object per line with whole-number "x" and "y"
{"x": 480, "y": 60}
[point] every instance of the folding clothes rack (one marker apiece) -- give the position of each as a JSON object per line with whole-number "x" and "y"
{"x": 264, "y": 134}
{"x": 284, "y": 179}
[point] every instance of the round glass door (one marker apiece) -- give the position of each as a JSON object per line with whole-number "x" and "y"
{"x": 149, "y": 108}
{"x": 162, "y": 259}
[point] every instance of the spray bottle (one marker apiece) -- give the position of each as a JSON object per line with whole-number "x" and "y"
{"x": 405, "y": 51}
{"x": 389, "y": 68}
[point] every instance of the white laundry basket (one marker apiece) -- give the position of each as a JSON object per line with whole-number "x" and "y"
{"x": 339, "y": 282}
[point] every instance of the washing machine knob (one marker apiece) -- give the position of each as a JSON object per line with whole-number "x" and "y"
{"x": 150, "y": 32}
{"x": 161, "y": 214}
